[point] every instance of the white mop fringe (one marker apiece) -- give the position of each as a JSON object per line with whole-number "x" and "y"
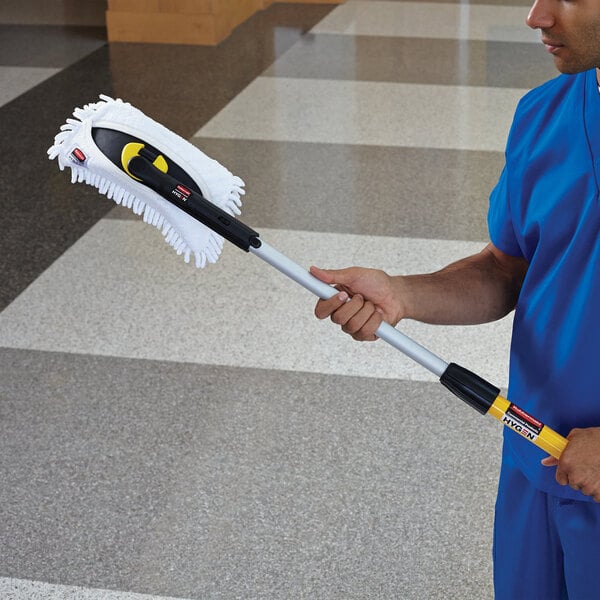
{"x": 185, "y": 234}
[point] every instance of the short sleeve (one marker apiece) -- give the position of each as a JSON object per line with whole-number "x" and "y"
{"x": 500, "y": 219}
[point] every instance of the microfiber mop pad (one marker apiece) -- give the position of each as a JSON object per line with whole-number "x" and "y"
{"x": 76, "y": 148}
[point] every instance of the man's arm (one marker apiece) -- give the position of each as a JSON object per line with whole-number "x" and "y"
{"x": 476, "y": 289}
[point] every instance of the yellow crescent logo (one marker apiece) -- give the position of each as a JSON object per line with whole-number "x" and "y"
{"x": 133, "y": 149}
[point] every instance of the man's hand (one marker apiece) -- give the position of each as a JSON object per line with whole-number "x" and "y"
{"x": 579, "y": 465}
{"x": 372, "y": 300}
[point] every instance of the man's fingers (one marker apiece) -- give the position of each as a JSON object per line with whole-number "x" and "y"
{"x": 325, "y": 308}
{"x": 561, "y": 476}
{"x": 360, "y": 319}
{"x": 343, "y": 315}
{"x": 357, "y": 317}
{"x": 371, "y": 320}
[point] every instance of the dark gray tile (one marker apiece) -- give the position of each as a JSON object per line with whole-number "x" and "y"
{"x": 53, "y": 12}
{"x": 209, "y": 482}
{"x": 375, "y": 190}
{"x": 416, "y": 60}
{"x": 42, "y": 213}
{"x": 47, "y": 46}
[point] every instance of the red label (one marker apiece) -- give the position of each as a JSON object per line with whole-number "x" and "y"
{"x": 79, "y": 155}
{"x": 184, "y": 191}
{"x": 521, "y": 422}
{"x": 526, "y": 417}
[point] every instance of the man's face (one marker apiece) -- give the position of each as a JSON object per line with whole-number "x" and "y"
{"x": 570, "y": 31}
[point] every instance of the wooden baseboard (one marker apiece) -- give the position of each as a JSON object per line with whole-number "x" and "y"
{"x": 200, "y": 22}
{"x": 310, "y": 1}
{"x": 166, "y": 6}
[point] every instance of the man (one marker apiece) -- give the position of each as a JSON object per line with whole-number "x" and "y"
{"x": 543, "y": 261}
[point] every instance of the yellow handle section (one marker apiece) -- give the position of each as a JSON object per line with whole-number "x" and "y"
{"x": 527, "y": 426}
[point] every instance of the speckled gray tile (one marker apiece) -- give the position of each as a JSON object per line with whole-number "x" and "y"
{"x": 416, "y": 60}
{"x": 374, "y": 113}
{"x": 503, "y": 23}
{"x": 143, "y": 301}
{"x": 206, "y": 483}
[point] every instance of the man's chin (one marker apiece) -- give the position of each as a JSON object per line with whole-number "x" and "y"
{"x": 569, "y": 68}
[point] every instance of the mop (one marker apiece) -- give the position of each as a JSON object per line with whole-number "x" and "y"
{"x": 193, "y": 200}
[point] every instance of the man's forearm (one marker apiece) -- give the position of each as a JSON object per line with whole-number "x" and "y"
{"x": 477, "y": 289}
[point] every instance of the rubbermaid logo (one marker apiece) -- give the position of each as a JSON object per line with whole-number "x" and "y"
{"x": 184, "y": 191}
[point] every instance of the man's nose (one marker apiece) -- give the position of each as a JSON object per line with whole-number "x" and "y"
{"x": 540, "y": 16}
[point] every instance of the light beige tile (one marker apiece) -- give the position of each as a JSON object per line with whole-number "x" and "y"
{"x": 416, "y": 60}
{"x": 375, "y": 113}
{"x": 15, "y": 81}
{"x": 22, "y": 589}
{"x": 142, "y": 301}
{"x": 429, "y": 20}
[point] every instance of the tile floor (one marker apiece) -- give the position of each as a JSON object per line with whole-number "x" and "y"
{"x": 173, "y": 433}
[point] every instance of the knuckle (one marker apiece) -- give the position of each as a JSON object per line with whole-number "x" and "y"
{"x": 356, "y": 302}
{"x": 566, "y": 463}
{"x": 354, "y": 324}
{"x": 561, "y": 478}
{"x": 359, "y": 336}
{"x": 347, "y": 328}
{"x": 338, "y": 319}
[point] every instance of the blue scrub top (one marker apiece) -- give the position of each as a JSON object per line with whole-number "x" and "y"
{"x": 546, "y": 209}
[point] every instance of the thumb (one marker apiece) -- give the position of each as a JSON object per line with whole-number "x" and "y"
{"x": 550, "y": 461}
{"x": 331, "y": 275}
